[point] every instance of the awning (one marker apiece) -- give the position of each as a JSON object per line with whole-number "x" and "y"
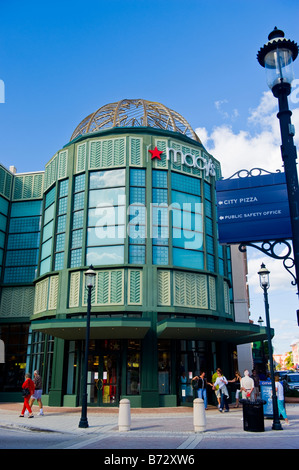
{"x": 100, "y": 328}
{"x": 209, "y": 330}
{"x": 171, "y": 328}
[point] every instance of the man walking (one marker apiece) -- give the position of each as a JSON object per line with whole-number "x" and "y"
{"x": 38, "y": 392}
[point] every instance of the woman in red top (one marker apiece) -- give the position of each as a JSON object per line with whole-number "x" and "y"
{"x": 30, "y": 385}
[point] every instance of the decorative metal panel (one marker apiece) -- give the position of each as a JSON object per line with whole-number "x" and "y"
{"x": 107, "y": 153}
{"x": 135, "y": 287}
{"x": 62, "y": 164}
{"x": 5, "y": 182}
{"x": 74, "y": 294}
{"x": 190, "y": 290}
{"x": 81, "y": 157}
{"x": 226, "y": 298}
{"x": 17, "y": 302}
{"x": 41, "y": 296}
{"x": 28, "y": 186}
{"x": 163, "y": 163}
{"x": 53, "y": 292}
{"x": 212, "y": 293}
{"x": 164, "y": 288}
{"x": 136, "y": 151}
{"x": 50, "y": 172}
{"x": 95, "y": 156}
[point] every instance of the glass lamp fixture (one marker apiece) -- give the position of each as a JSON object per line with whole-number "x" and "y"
{"x": 90, "y": 276}
{"x": 264, "y": 277}
{"x": 277, "y": 57}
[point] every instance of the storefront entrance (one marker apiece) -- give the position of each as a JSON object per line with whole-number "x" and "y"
{"x": 103, "y": 383}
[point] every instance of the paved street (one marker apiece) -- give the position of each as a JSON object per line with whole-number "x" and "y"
{"x": 151, "y": 429}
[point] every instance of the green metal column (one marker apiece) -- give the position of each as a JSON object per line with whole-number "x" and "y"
{"x": 149, "y": 366}
{"x": 56, "y": 391}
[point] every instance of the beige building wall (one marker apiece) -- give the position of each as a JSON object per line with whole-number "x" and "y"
{"x": 241, "y": 303}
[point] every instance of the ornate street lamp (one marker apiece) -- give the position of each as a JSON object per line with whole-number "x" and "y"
{"x": 277, "y": 57}
{"x": 265, "y": 284}
{"x": 90, "y": 275}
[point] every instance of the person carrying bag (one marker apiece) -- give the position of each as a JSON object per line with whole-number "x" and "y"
{"x": 28, "y": 388}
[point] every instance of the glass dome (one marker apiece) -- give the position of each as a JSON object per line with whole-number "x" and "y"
{"x": 135, "y": 113}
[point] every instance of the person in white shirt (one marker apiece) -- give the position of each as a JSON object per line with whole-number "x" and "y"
{"x": 222, "y": 382}
{"x": 280, "y": 400}
{"x": 247, "y": 385}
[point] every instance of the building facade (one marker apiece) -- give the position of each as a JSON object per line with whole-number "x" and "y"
{"x": 133, "y": 195}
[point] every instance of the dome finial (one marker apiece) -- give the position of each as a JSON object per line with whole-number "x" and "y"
{"x": 276, "y": 33}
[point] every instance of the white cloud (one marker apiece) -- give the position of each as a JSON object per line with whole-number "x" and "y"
{"x": 280, "y": 278}
{"x": 258, "y": 147}
{"x": 219, "y": 105}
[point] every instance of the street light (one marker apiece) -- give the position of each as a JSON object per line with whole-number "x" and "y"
{"x": 265, "y": 284}
{"x": 90, "y": 275}
{"x": 277, "y": 57}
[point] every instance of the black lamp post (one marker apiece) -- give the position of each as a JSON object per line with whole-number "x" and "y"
{"x": 90, "y": 275}
{"x": 277, "y": 57}
{"x": 265, "y": 284}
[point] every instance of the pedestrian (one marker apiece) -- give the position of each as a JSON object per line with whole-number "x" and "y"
{"x": 216, "y": 388}
{"x": 237, "y": 382}
{"x": 256, "y": 380}
{"x": 247, "y": 385}
{"x": 194, "y": 385}
{"x": 37, "y": 392}
{"x": 28, "y": 390}
{"x": 202, "y": 388}
{"x": 280, "y": 400}
{"x": 222, "y": 382}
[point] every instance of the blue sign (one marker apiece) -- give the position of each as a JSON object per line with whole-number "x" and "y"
{"x": 255, "y": 208}
{"x": 266, "y": 394}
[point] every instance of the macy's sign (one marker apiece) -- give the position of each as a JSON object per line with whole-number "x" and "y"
{"x": 192, "y": 161}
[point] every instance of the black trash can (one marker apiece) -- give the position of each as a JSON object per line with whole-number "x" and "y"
{"x": 253, "y": 415}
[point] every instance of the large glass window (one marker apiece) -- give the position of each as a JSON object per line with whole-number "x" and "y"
{"x": 106, "y": 218}
{"x": 23, "y": 242}
{"x": 209, "y": 229}
{"x": 61, "y": 224}
{"x": 137, "y": 217}
{"x": 48, "y": 234}
{"x": 187, "y": 222}
{"x": 77, "y": 222}
{"x": 160, "y": 226}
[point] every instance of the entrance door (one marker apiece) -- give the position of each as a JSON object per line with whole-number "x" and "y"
{"x": 108, "y": 382}
{"x": 103, "y": 382}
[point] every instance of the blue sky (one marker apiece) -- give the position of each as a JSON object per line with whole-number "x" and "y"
{"x": 60, "y": 61}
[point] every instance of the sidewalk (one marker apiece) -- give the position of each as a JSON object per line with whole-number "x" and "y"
{"x": 163, "y": 428}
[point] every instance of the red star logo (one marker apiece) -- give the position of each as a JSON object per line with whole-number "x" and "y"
{"x": 156, "y": 153}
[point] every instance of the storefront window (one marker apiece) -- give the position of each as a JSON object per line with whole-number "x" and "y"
{"x": 133, "y": 368}
{"x": 73, "y": 366}
{"x": 15, "y": 337}
{"x": 41, "y": 348}
{"x": 164, "y": 367}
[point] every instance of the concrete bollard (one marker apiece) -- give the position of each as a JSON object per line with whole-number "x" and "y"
{"x": 199, "y": 415}
{"x": 124, "y": 416}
